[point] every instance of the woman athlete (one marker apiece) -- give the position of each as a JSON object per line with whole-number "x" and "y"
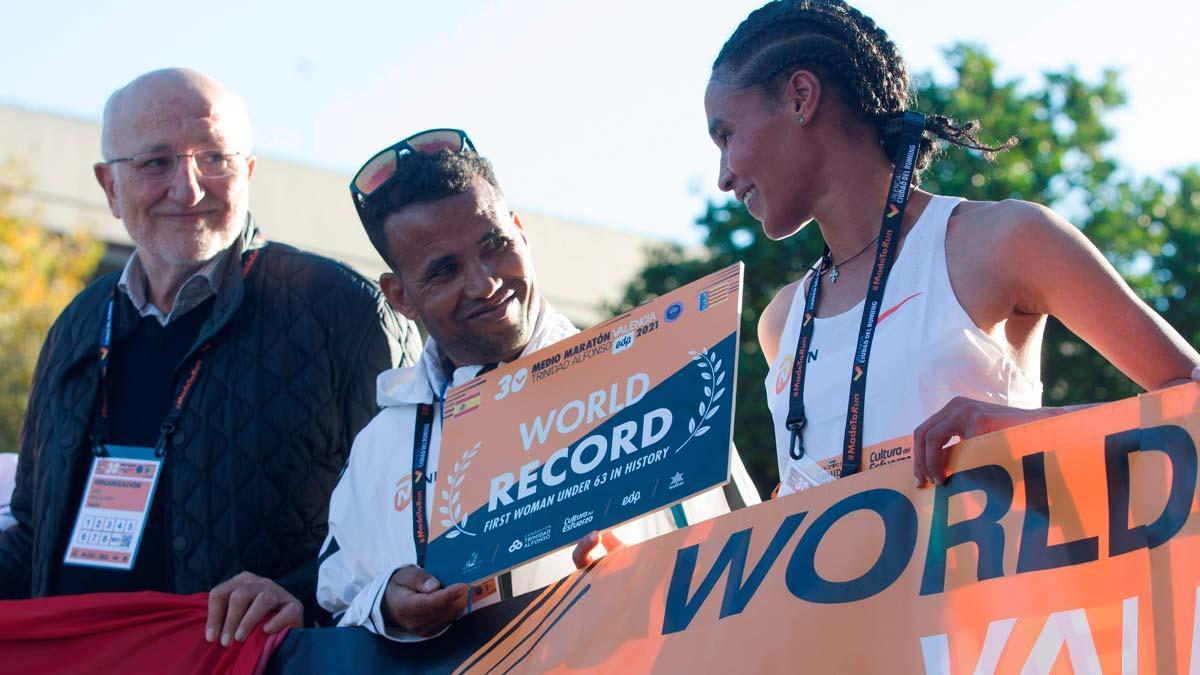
{"x": 807, "y": 104}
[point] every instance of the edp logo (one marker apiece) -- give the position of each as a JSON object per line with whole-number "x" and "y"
{"x": 622, "y": 343}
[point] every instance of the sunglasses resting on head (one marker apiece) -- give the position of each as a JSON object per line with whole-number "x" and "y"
{"x": 380, "y": 169}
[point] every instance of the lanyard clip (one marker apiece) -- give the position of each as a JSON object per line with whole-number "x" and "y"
{"x": 796, "y": 450}
{"x": 164, "y": 437}
{"x": 796, "y": 447}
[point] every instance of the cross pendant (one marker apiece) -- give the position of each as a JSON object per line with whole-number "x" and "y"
{"x": 833, "y": 274}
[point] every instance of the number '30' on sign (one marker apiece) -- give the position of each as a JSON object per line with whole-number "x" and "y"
{"x": 512, "y": 383}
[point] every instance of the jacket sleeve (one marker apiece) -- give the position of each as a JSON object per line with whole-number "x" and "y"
{"x": 16, "y": 542}
{"x": 350, "y": 584}
{"x": 381, "y": 340}
{"x": 353, "y": 594}
{"x": 384, "y": 341}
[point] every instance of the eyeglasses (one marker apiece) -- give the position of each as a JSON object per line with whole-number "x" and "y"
{"x": 160, "y": 166}
{"x": 382, "y": 166}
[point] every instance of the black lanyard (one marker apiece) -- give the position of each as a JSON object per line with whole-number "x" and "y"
{"x": 182, "y": 392}
{"x": 422, "y": 434}
{"x": 889, "y": 235}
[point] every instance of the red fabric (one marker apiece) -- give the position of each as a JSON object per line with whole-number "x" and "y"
{"x": 144, "y": 632}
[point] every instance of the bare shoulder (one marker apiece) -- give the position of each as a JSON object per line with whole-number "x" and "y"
{"x": 773, "y": 319}
{"x": 1002, "y": 254}
{"x": 1009, "y": 226}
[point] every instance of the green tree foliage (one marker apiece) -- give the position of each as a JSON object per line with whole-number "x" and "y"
{"x": 40, "y": 272}
{"x": 1147, "y": 228}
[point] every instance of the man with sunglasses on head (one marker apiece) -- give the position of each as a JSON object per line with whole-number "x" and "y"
{"x": 226, "y": 375}
{"x": 461, "y": 266}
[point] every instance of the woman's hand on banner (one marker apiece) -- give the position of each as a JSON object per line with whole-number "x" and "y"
{"x": 238, "y": 605}
{"x": 962, "y": 418}
{"x": 415, "y": 601}
{"x": 586, "y": 551}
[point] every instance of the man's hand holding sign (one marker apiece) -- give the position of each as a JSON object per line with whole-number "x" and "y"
{"x": 593, "y": 547}
{"x": 416, "y": 601}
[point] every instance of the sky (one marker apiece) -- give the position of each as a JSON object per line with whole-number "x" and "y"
{"x": 591, "y": 111}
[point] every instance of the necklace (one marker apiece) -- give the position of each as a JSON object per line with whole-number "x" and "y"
{"x": 833, "y": 267}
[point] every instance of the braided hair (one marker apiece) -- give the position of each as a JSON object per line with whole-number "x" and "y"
{"x": 851, "y": 55}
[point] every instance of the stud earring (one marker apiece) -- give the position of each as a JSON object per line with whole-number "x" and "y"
{"x": 800, "y": 119}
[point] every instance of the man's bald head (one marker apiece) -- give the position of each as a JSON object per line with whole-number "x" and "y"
{"x": 179, "y": 217}
{"x": 155, "y": 93}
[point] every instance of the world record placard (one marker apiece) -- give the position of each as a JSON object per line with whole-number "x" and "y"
{"x": 623, "y": 419}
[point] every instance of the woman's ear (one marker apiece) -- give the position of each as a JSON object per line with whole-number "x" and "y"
{"x": 802, "y": 95}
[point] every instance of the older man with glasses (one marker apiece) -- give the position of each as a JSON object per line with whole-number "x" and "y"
{"x": 189, "y": 417}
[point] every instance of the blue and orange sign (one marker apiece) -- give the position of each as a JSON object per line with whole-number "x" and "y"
{"x": 623, "y": 419}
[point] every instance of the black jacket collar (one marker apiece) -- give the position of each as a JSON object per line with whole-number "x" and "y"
{"x": 85, "y": 335}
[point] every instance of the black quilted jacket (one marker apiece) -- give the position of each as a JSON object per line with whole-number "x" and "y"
{"x": 289, "y": 383}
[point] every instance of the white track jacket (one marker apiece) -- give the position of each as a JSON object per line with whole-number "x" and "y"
{"x": 370, "y": 526}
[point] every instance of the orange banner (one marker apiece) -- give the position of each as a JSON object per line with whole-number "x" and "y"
{"x": 1068, "y": 545}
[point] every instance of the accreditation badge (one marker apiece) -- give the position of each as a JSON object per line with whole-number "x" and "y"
{"x": 114, "y": 509}
{"x": 804, "y": 473}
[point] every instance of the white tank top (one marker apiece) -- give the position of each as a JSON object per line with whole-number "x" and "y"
{"x": 926, "y": 351}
